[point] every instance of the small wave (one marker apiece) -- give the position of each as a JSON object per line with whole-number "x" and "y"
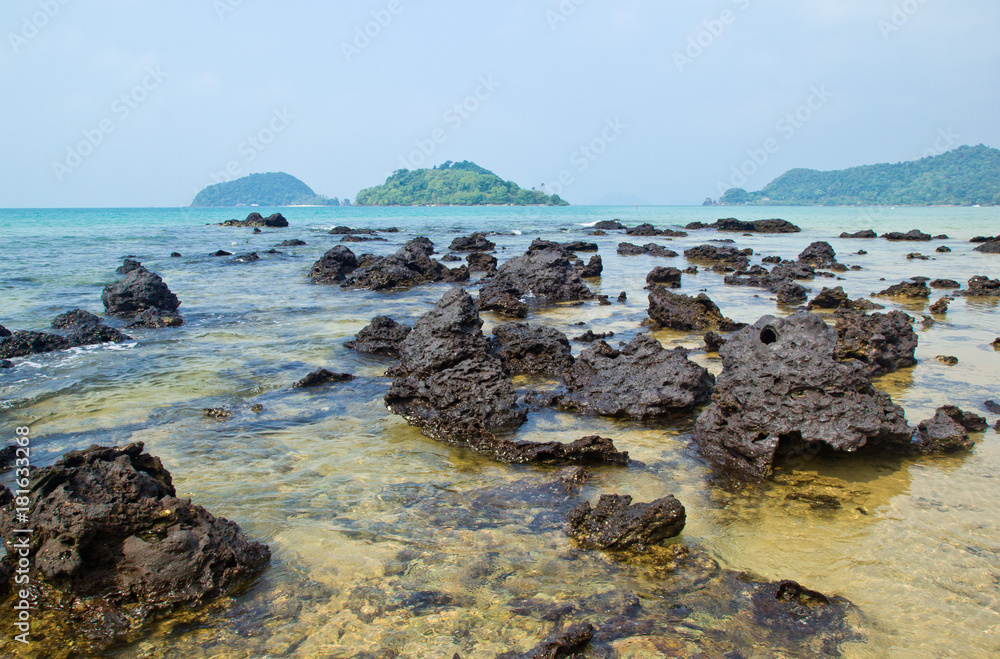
{"x": 516, "y": 232}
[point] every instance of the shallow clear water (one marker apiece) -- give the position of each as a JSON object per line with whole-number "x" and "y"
{"x": 353, "y": 501}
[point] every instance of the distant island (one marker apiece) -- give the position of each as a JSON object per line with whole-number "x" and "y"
{"x": 270, "y": 189}
{"x": 966, "y": 176}
{"x": 452, "y": 184}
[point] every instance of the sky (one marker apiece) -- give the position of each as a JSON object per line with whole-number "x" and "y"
{"x": 120, "y": 103}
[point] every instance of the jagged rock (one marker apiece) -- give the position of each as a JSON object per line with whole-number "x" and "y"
{"x": 544, "y": 272}
{"x": 74, "y": 318}
{"x": 616, "y": 523}
{"x": 643, "y": 230}
{"x": 669, "y": 277}
{"x": 713, "y": 342}
{"x": 451, "y": 258}
{"x": 112, "y": 547}
{"x": 622, "y": 297}
{"x": 819, "y": 255}
{"x": 221, "y": 252}
{"x": 983, "y": 286}
{"x": 829, "y": 298}
{"x": 590, "y": 337}
{"x": 947, "y": 431}
{"x": 907, "y": 289}
{"x": 913, "y": 235}
{"x": 598, "y": 232}
{"x": 348, "y": 231}
{"x": 295, "y": 242}
{"x": 334, "y": 266}
{"x": 683, "y": 312}
{"x": 942, "y": 236}
{"x": 217, "y": 413}
{"x": 477, "y": 242}
{"x": 867, "y": 233}
{"x": 154, "y": 318}
{"x": 579, "y": 246}
{"x": 255, "y": 219}
{"x": 449, "y": 384}
{"x": 947, "y": 360}
{"x": 21, "y": 344}
{"x": 941, "y": 306}
{"x": 991, "y": 247}
{"x": 502, "y": 300}
{"x": 945, "y": 283}
{"x": 996, "y": 344}
{"x": 594, "y": 267}
{"x": 382, "y": 336}
{"x": 249, "y": 257}
{"x": 736, "y": 259}
{"x": 883, "y": 342}
{"x": 609, "y": 225}
{"x": 127, "y": 266}
{"x": 586, "y": 450}
{"x": 481, "y": 262}
{"x": 943, "y": 249}
{"x": 564, "y": 644}
{"x": 642, "y": 380}
{"x": 649, "y": 249}
{"x": 138, "y": 291}
{"x": 409, "y": 266}
{"x": 527, "y": 348}
{"x": 985, "y": 239}
{"x": 755, "y": 226}
{"x": 917, "y": 256}
{"x": 322, "y": 376}
{"x": 362, "y": 239}
{"x": 782, "y": 386}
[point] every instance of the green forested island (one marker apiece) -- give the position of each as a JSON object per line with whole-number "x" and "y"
{"x": 270, "y": 189}
{"x": 966, "y": 176}
{"x": 452, "y": 184}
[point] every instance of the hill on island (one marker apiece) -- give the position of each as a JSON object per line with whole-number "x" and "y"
{"x": 965, "y": 176}
{"x": 270, "y": 189}
{"x": 452, "y": 184}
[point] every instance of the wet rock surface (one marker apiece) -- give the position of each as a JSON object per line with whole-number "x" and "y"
{"x": 138, "y": 291}
{"x": 683, "y": 312}
{"x": 609, "y": 225}
{"x": 945, "y": 283}
{"x": 649, "y": 249}
{"x": 586, "y": 450}
{"x": 154, "y": 318}
{"x": 820, "y": 254}
{"x": 589, "y": 336}
{"x": 525, "y": 348}
{"x": 991, "y": 247}
{"x": 334, "y": 266}
{"x": 866, "y": 233}
{"x": 781, "y": 384}
{"x": 755, "y": 226}
{"x": 322, "y": 376}
{"x": 113, "y": 548}
{"x": 277, "y": 220}
{"x": 912, "y": 235}
{"x": 617, "y": 523}
{"x": 504, "y": 300}
{"x": 593, "y": 268}
{"x": 884, "y": 343}
{"x": 477, "y": 242}
{"x": 642, "y": 380}
{"x": 481, "y": 262}
{"x": 983, "y": 286}
{"x": 72, "y": 319}
{"x": 669, "y": 277}
{"x": 449, "y": 383}
{"x": 382, "y": 336}
{"x": 545, "y": 271}
{"x": 947, "y": 431}
{"x": 295, "y": 242}
{"x": 735, "y": 258}
{"x": 411, "y": 265}
{"x": 563, "y": 644}
{"x": 907, "y": 289}
{"x": 24, "y": 343}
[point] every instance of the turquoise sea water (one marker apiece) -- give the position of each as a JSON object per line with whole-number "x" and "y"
{"x": 327, "y": 477}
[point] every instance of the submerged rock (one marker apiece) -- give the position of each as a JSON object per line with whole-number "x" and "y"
{"x": 642, "y": 380}
{"x": 586, "y": 450}
{"x": 409, "y": 266}
{"x": 755, "y": 226}
{"x": 737, "y": 259}
{"x": 249, "y": 257}
{"x": 277, "y": 220}
{"x": 334, "y": 266}
{"x": 477, "y": 242}
{"x": 322, "y": 376}
{"x": 382, "y": 336}
{"x": 24, "y": 343}
{"x": 449, "y": 383}
{"x": 348, "y": 231}
{"x": 74, "y": 318}
{"x": 294, "y": 242}
{"x": 907, "y": 289}
{"x": 113, "y": 548}
{"x": 781, "y": 384}
{"x": 525, "y": 348}
{"x": 564, "y": 644}
{"x": 683, "y": 312}
{"x": 503, "y": 300}
{"x": 945, "y": 283}
{"x": 153, "y": 318}
{"x": 590, "y": 337}
{"x": 617, "y": 523}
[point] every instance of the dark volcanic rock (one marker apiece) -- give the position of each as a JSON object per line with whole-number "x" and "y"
{"x": 586, "y": 450}
{"x": 590, "y": 337}
{"x": 643, "y": 230}
{"x": 4, "y": 332}
{"x": 409, "y": 266}
{"x": 477, "y": 242}
{"x": 451, "y": 258}
{"x": 114, "y": 548}
{"x": 334, "y": 266}
{"x": 295, "y": 242}
{"x": 907, "y": 289}
{"x": 594, "y": 267}
{"x": 138, "y": 291}
{"x": 941, "y": 306}
{"x": 756, "y": 226}
{"x": 481, "y": 262}
{"x": 617, "y": 523}
{"x": 945, "y": 283}
{"x": 545, "y": 273}
{"x": 564, "y": 644}
{"x": 649, "y": 249}
{"x": 782, "y": 388}
{"x": 829, "y": 298}
{"x": 154, "y": 318}
{"x": 945, "y": 432}
{"x": 819, "y": 255}
{"x": 983, "y": 286}
{"x": 985, "y": 239}
{"x": 914, "y": 235}
{"x": 127, "y": 266}
{"x": 450, "y": 385}
{"x": 382, "y": 336}
{"x": 322, "y": 376}
{"x": 669, "y": 277}
{"x": 609, "y": 225}
{"x": 348, "y": 231}
{"x": 867, "y": 233}
{"x": 943, "y": 249}
{"x": 579, "y": 246}
{"x": 221, "y": 252}
{"x": 502, "y": 300}
{"x": 992, "y": 406}
{"x": 883, "y": 342}
{"x": 527, "y": 348}
{"x": 21, "y": 344}
{"x": 175, "y": 255}
{"x": 713, "y": 342}
{"x": 737, "y": 259}
{"x": 249, "y": 257}
{"x": 642, "y": 380}
{"x": 992, "y": 247}
{"x": 257, "y": 220}
{"x": 683, "y": 312}
{"x": 362, "y": 239}
{"x": 74, "y": 318}
{"x": 789, "y": 292}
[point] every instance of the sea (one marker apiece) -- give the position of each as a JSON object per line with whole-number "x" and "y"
{"x": 341, "y": 489}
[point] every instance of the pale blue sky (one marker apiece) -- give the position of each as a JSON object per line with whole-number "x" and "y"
{"x": 126, "y": 103}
